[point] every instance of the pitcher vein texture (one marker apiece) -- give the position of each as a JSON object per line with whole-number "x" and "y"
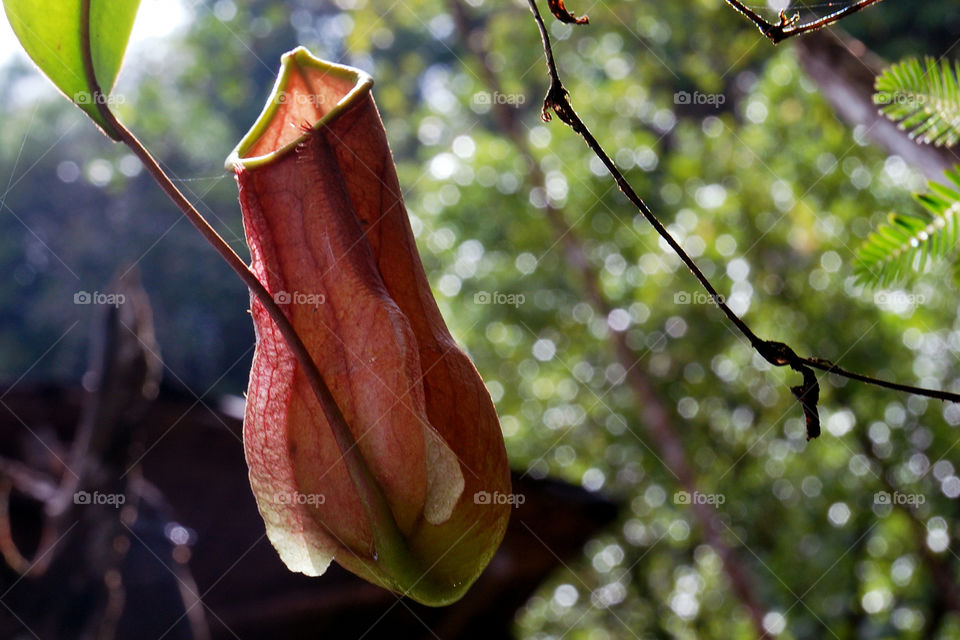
{"x": 330, "y": 238}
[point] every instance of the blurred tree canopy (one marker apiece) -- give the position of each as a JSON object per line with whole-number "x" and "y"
{"x": 766, "y": 188}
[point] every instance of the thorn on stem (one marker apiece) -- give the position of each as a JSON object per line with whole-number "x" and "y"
{"x": 558, "y": 101}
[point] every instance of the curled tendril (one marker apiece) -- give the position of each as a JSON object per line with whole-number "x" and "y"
{"x": 808, "y": 394}
{"x": 788, "y": 22}
{"x": 561, "y": 13}
{"x": 558, "y": 101}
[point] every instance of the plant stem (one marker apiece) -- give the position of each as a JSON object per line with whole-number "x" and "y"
{"x": 788, "y": 27}
{"x": 371, "y": 496}
{"x": 776, "y": 353}
{"x": 655, "y": 418}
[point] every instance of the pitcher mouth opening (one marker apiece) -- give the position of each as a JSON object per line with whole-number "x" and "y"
{"x": 309, "y": 92}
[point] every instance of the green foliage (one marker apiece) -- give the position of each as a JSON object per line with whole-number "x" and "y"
{"x": 908, "y": 241}
{"x": 924, "y": 98}
{"x": 770, "y": 191}
{"x": 50, "y": 33}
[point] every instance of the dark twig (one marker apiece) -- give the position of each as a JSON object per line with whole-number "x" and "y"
{"x": 656, "y": 418}
{"x": 371, "y": 495}
{"x": 776, "y": 353}
{"x": 787, "y": 27}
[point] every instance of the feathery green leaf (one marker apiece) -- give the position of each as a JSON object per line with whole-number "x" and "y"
{"x": 908, "y": 242}
{"x": 924, "y": 98}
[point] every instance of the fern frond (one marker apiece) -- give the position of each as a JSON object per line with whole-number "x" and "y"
{"x": 908, "y": 242}
{"x": 924, "y": 98}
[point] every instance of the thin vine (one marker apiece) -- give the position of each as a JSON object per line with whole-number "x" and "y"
{"x": 787, "y": 27}
{"x": 777, "y": 354}
{"x": 371, "y": 495}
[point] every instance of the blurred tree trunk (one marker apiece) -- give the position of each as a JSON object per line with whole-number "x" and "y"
{"x": 844, "y": 70}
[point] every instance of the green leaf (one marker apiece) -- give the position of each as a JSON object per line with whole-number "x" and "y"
{"x": 924, "y": 98}
{"x": 50, "y": 32}
{"x": 908, "y": 242}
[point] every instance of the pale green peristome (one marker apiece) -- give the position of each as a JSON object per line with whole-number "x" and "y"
{"x": 50, "y": 31}
{"x": 291, "y": 62}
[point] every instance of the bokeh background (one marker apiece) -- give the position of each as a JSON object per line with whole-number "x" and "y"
{"x": 608, "y": 367}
